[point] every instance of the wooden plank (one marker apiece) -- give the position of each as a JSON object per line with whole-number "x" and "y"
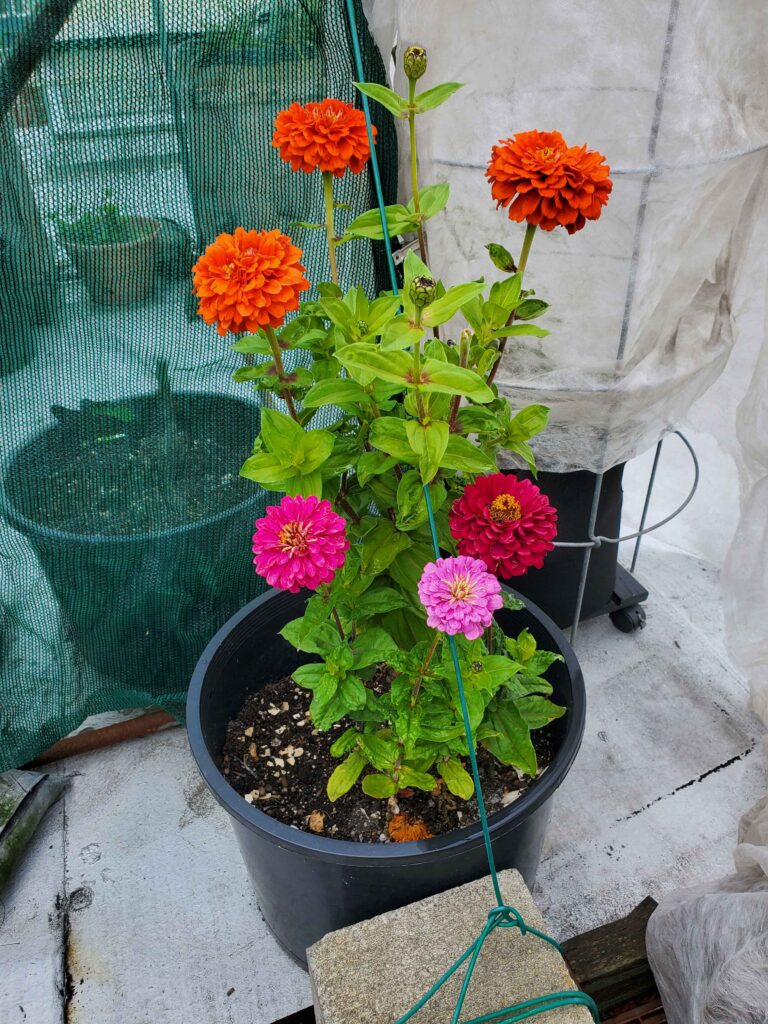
{"x": 610, "y": 962}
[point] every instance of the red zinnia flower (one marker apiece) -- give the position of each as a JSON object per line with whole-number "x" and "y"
{"x": 248, "y": 280}
{"x": 544, "y": 181}
{"x": 330, "y": 136}
{"x": 507, "y": 523}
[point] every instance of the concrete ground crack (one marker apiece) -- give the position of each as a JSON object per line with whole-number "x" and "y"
{"x": 687, "y": 785}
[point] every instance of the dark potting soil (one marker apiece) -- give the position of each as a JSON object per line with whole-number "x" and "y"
{"x": 121, "y": 483}
{"x": 277, "y": 761}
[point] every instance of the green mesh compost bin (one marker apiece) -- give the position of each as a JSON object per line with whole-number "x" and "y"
{"x": 130, "y": 136}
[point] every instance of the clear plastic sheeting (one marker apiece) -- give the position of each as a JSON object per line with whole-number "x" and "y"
{"x": 658, "y": 313}
{"x": 708, "y": 946}
{"x": 673, "y": 93}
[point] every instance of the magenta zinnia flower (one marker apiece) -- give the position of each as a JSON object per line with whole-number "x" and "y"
{"x": 506, "y": 522}
{"x": 299, "y": 543}
{"x": 460, "y": 596}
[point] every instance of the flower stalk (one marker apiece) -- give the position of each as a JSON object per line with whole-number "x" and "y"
{"x": 330, "y": 231}
{"x": 530, "y": 231}
{"x": 282, "y": 376}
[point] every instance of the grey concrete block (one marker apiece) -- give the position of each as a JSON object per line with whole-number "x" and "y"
{"x": 376, "y": 970}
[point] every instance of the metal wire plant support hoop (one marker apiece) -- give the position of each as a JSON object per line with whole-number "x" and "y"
{"x": 595, "y": 540}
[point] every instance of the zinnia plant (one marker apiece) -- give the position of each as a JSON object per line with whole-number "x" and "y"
{"x": 408, "y": 413}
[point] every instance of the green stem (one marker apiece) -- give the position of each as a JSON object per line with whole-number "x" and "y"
{"x": 339, "y": 626}
{"x": 424, "y": 667}
{"x": 329, "y": 226}
{"x": 417, "y": 371}
{"x": 530, "y": 231}
{"x": 453, "y": 423}
{"x": 285, "y": 393}
{"x": 415, "y": 168}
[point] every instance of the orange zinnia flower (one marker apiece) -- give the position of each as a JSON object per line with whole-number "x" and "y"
{"x": 547, "y": 183}
{"x": 330, "y": 135}
{"x": 404, "y": 828}
{"x": 248, "y": 280}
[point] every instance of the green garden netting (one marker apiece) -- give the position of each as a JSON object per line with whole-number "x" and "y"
{"x": 130, "y": 136}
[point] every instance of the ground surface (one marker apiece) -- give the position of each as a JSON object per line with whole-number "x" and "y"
{"x": 133, "y": 904}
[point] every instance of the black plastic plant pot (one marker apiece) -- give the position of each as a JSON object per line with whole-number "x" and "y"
{"x": 308, "y": 885}
{"x": 138, "y": 606}
{"x": 555, "y": 586}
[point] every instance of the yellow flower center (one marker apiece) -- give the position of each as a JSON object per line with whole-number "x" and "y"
{"x": 461, "y": 588}
{"x": 505, "y": 509}
{"x": 293, "y": 538}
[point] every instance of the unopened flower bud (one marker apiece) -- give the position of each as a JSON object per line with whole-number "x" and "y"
{"x": 423, "y": 291}
{"x": 466, "y": 336}
{"x": 362, "y": 326}
{"x": 415, "y": 62}
{"x": 501, "y": 258}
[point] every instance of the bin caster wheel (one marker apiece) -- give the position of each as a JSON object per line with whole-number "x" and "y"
{"x": 629, "y": 619}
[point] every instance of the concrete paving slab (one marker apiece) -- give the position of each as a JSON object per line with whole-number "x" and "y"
{"x": 377, "y": 970}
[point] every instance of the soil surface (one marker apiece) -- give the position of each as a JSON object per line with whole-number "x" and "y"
{"x": 120, "y": 480}
{"x": 277, "y": 761}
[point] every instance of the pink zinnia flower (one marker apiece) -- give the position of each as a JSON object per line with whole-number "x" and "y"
{"x": 460, "y": 596}
{"x": 299, "y": 543}
{"x": 506, "y": 522}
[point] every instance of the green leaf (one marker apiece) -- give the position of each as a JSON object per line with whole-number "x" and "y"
{"x": 400, "y": 221}
{"x": 344, "y": 743}
{"x": 309, "y": 676}
{"x": 433, "y": 199}
{"x": 506, "y": 293}
{"x": 345, "y": 775}
{"x": 456, "y": 777}
{"x": 520, "y": 330}
{"x": 525, "y": 646}
{"x": 389, "y": 435}
{"x": 380, "y": 787}
{"x": 267, "y": 470}
{"x": 252, "y": 343}
{"x": 372, "y": 646}
{"x": 381, "y": 750}
{"x": 310, "y": 635}
{"x": 527, "y": 423}
{"x": 443, "y": 309}
{"x": 429, "y": 443}
{"x": 475, "y": 419}
{"x": 524, "y": 450}
{"x": 386, "y": 97}
{"x": 538, "y": 711}
{"x": 334, "y": 391}
{"x": 378, "y": 600}
{"x": 461, "y": 454}
{"x": 432, "y": 98}
{"x": 506, "y": 735}
{"x": 418, "y": 780}
{"x": 353, "y": 693}
{"x": 541, "y": 661}
{"x": 530, "y": 308}
{"x": 399, "y": 334}
{"x": 281, "y": 433}
{"x": 454, "y": 380}
{"x": 381, "y": 546}
{"x": 372, "y": 464}
{"x": 370, "y": 360}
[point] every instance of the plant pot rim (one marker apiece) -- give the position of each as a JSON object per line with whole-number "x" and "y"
{"x": 344, "y": 851}
{"x": 153, "y": 221}
{"x": 32, "y": 526}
